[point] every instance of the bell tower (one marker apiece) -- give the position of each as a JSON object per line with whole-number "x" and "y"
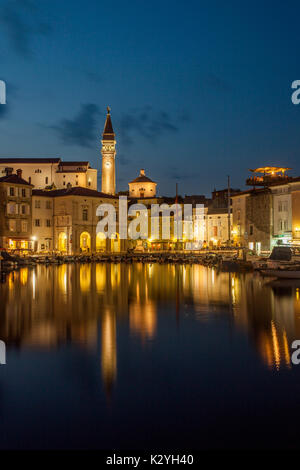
{"x": 108, "y": 151}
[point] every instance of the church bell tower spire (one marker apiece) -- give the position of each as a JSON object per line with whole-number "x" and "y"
{"x": 108, "y": 151}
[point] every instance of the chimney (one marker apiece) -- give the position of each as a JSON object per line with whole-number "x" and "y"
{"x": 8, "y": 171}
{"x": 19, "y": 173}
{"x": 142, "y": 172}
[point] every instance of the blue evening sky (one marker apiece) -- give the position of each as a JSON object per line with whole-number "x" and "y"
{"x": 197, "y": 90}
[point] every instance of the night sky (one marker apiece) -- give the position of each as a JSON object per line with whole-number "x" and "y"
{"x": 197, "y": 90}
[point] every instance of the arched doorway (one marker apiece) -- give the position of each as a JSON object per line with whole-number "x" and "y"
{"x": 62, "y": 242}
{"x": 100, "y": 242}
{"x": 115, "y": 243}
{"x": 85, "y": 242}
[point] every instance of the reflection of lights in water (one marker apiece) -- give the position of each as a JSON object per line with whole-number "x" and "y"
{"x": 213, "y": 276}
{"x": 33, "y": 284}
{"x": 233, "y": 296}
{"x": 100, "y": 277}
{"x": 115, "y": 275}
{"x": 232, "y": 282}
{"x": 286, "y": 349}
{"x": 143, "y": 318}
{"x": 23, "y": 276}
{"x": 108, "y": 349}
{"x": 275, "y": 345}
{"x": 297, "y": 293}
{"x": 11, "y": 281}
{"x": 62, "y": 278}
{"x": 85, "y": 277}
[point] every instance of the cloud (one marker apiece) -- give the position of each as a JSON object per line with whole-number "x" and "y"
{"x": 82, "y": 129}
{"x": 147, "y": 123}
{"x": 178, "y": 174}
{"x": 19, "y": 19}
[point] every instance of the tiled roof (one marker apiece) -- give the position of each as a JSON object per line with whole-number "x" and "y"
{"x": 29, "y": 160}
{"x": 142, "y": 179}
{"x": 63, "y": 163}
{"x": 14, "y": 179}
{"x": 73, "y": 191}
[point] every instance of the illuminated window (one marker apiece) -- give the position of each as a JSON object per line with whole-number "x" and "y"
{"x": 12, "y": 225}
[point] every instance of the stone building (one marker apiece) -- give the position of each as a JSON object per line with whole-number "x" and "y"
{"x": 42, "y": 220}
{"x": 74, "y": 221}
{"x": 108, "y": 157}
{"x": 15, "y": 212}
{"x": 219, "y": 217}
{"x": 253, "y": 219}
{"x": 52, "y": 172}
{"x": 142, "y": 186}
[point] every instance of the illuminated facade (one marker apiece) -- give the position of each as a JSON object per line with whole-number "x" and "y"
{"x": 52, "y": 172}
{"x": 108, "y": 151}
{"x": 142, "y": 186}
{"x": 15, "y": 212}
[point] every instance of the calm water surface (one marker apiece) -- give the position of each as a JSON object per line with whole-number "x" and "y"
{"x": 114, "y": 356}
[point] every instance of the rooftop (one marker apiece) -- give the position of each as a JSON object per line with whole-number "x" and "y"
{"x": 14, "y": 179}
{"x": 142, "y": 178}
{"x": 29, "y": 160}
{"x": 72, "y": 191}
{"x": 108, "y": 133}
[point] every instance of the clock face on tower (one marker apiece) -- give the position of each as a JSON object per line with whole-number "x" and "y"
{"x": 107, "y": 164}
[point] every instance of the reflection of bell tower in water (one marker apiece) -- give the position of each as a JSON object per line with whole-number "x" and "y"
{"x": 108, "y": 157}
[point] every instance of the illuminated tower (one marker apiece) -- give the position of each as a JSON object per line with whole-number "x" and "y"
{"x": 108, "y": 157}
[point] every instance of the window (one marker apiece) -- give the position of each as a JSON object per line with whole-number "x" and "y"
{"x": 280, "y": 206}
{"x": 23, "y": 192}
{"x": 37, "y": 222}
{"x": 11, "y": 191}
{"x": 23, "y": 209}
{"x": 285, "y": 225}
{"x": 37, "y": 204}
{"x": 46, "y": 180}
{"x": 48, "y": 204}
{"x": 48, "y": 223}
{"x": 251, "y": 230}
{"x": 29, "y": 179}
{"x": 24, "y": 226}
{"x": 84, "y": 214}
{"x": 12, "y": 225}
{"x": 11, "y": 208}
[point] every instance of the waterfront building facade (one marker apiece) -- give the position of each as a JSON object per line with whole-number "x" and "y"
{"x": 15, "y": 212}
{"x": 74, "y": 221}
